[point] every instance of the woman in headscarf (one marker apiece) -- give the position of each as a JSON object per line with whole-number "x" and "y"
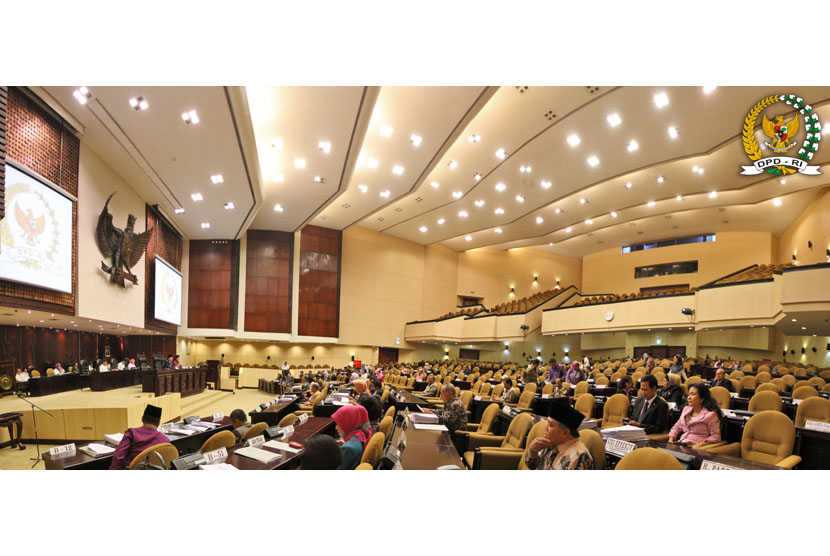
{"x": 352, "y": 423}
{"x": 574, "y": 374}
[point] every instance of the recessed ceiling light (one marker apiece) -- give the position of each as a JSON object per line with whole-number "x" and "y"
{"x": 468, "y": 238}
{"x": 324, "y": 146}
{"x": 462, "y": 213}
{"x": 776, "y": 202}
{"x": 278, "y": 178}
{"x": 398, "y": 170}
{"x": 782, "y": 181}
{"x": 500, "y": 187}
{"x": 372, "y": 163}
{"x": 520, "y": 199}
{"x": 457, "y": 194}
{"x": 700, "y": 171}
{"x": 573, "y": 140}
{"x": 386, "y": 131}
{"x": 794, "y": 320}
{"x": 477, "y": 176}
{"x": 651, "y": 203}
{"x": 434, "y": 184}
{"x": 539, "y": 219}
{"x": 673, "y": 133}
{"x": 545, "y": 184}
{"x": 441, "y": 220}
{"x": 660, "y": 179}
{"x": 217, "y": 178}
{"x": 525, "y": 169}
{"x": 190, "y": 117}
{"x": 299, "y": 163}
{"x": 474, "y": 138}
{"x": 363, "y": 188}
{"x": 385, "y": 193}
{"x": 593, "y": 161}
{"x": 633, "y": 146}
{"x": 229, "y": 206}
{"x": 139, "y": 103}
{"x": 557, "y": 210}
{"x": 497, "y": 230}
{"x": 679, "y": 197}
{"x": 568, "y": 230}
{"x": 196, "y": 196}
{"x": 613, "y": 214}
{"x": 583, "y": 201}
{"x": 614, "y": 120}
{"x": 422, "y": 229}
{"x": 278, "y": 208}
{"x": 708, "y": 89}
{"x": 551, "y": 244}
{"x": 499, "y": 210}
{"x": 628, "y": 185}
{"x": 179, "y": 211}
{"x": 501, "y": 154}
{"x": 453, "y": 164}
{"x": 205, "y": 225}
{"x": 803, "y": 328}
{"x": 589, "y": 221}
{"x": 479, "y": 203}
{"x": 82, "y": 95}
{"x": 713, "y": 195}
{"x": 415, "y": 140}
{"x": 318, "y": 179}
{"x": 661, "y": 100}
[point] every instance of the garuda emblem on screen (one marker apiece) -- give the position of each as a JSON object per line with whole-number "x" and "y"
{"x": 124, "y": 246}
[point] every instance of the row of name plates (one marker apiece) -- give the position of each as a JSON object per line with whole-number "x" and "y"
{"x": 621, "y": 448}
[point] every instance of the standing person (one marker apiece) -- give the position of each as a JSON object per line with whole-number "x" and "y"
{"x": 555, "y": 371}
{"x": 574, "y": 374}
{"x": 352, "y": 422}
{"x": 560, "y": 447}
{"x": 286, "y": 370}
{"x": 532, "y": 372}
{"x": 700, "y": 420}
{"x": 677, "y": 368}
{"x": 138, "y": 439}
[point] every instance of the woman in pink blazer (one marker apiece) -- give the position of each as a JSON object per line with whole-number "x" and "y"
{"x": 700, "y": 420}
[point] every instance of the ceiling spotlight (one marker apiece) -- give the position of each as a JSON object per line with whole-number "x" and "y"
{"x": 782, "y": 181}
{"x": 415, "y": 140}
{"x": 500, "y": 187}
{"x": 713, "y": 195}
{"x": 179, "y": 211}
{"x": 228, "y": 206}
{"x": 324, "y": 146}
{"x": 434, "y": 184}
{"x": 477, "y": 176}
{"x": 205, "y": 225}
{"x": 546, "y": 184}
{"x": 479, "y": 203}
{"x": 613, "y": 214}
{"x": 82, "y": 95}
{"x": 386, "y": 131}
{"x": 583, "y": 201}
{"x": 501, "y": 154}
{"x": 539, "y": 219}
{"x": 679, "y": 197}
{"x": 453, "y": 165}
{"x": 524, "y": 169}
{"x": 457, "y": 194}
{"x": 462, "y": 213}
{"x": 441, "y": 221}
{"x": 497, "y": 230}
{"x": 397, "y": 170}
{"x": 139, "y": 103}
{"x": 776, "y": 202}
{"x": 278, "y": 178}
{"x": 707, "y": 90}
{"x": 190, "y": 117}
{"x": 673, "y": 133}
{"x": 593, "y": 161}
{"x": 217, "y": 178}
{"x": 614, "y": 120}
{"x": 557, "y": 210}
{"x": 568, "y": 230}
{"x": 651, "y": 203}
{"x": 468, "y": 238}
{"x": 318, "y": 179}
{"x": 372, "y": 163}
{"x": 573, "y": 140}
{"x": 385, "y": 193}
{"x": 276, "y": 143}
{"x": 628, "y": 185}
{"x": 633, "y": 146}
{"x": 422, "y": 229}
{"x": 499, "y": 211}
{"x": 661, "y": 100}
{"x": 661, "y": 179}
{"x": 299, "y": 163}
{"x": 196, "y": 196}
{"x": 363, "y": 188}
{"x": 520, "y": 199}
{"x": 700, "y": 171}
{"x": 589, "y": 221}
{"x": 474, "y": 138}
{"x": 278, "y": 208}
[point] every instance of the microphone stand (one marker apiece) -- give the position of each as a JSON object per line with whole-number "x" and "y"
{"x": 37, "y": 459}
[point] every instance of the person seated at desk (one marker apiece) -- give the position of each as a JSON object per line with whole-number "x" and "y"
{"x": 321, "y": 452}
{"x": 59, "y": 370}
{"x": 354, "y": 376}
{"x": 240, "y": 424}
{"x": 312, "y": 389}
{"x": 420, "y": 376}
{"x": 673, "y": 391}
{"x": 718, "y": 364}
{"x": 175, "y": 363}
{"x": 650, "y": 411}
{"x": 138, "y": 439}
{"x": 377, "y": 389}
{"x": 169, "y": 363}
{"x": 509, "y": 395}
{"x": 431, "y": 391}
{"x": 574, "y": 374}
{"x": 352, "y": 422}
{"x": 736, "y": 365}
{"x": 361, "y": 391}
{"x": 721, "y": 380}
{"x": 700, "y": 420}
{"x": 625, "y": 385}
{"x": 21, "y": 376}
{"x": 560, "y": 388}
{"x": 374, "y": 410}
{"x": 122, "y": 365}
{"x": 131, "y": 365}
{"x": 104, "y": 367}
{"x": 560, "y": 447}
{"x": 453, "y": 415}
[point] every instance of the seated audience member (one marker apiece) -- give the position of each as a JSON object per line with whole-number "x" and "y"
{"x": 122, "y": 365}
{"x": 22, "y": 376}
{"x": 561, "y": 388}
{"x": 736, "y": 365}
{"x": 374, "y": 410}
{"x": 354, "y": 376}
{"x": 721, "y": 380}
{"x": 673, "y": 391}
{"x": 431, "y": 391}
{"x": 650, "y": 411}
{"x": 625, "y": 385}
{"x": 379, "y": 374}
{"x": 361, "y": 391}
{"x": 509, "y": 395}
{"x": 377, "y": 389}
{"x": 131, "y": 364}
{"x": 176, "y": 363}
{"x": 560, "y": 447}
{"x": 452, "y": 415}
{"x": 718, "y": 364}
{"x": 574, "y": 374}
{"x": 586, "y": 363}
{"x": 700, "y": 420}
{"x": 240, "y": 424}
{"x": 312, "y": 389}
{"x": 138, "y": 439}
{"x": 104, "y": 367}
{"x": 420, "y": 376}
{"x": 59, "y": 370}
{"x": 352, "y": 423}
{"x": 321, "y": 452}
{"x": 555, "y": 371}
{"x": 677, "y": 367}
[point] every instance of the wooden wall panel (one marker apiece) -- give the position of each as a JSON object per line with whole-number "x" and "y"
{"x": 3, "y": 112}
{"x": 319, "y": 310}
{"x": 149, "y": 345}
{"x": 39, "y": 140}
{"x": 210, "y": 288}
{"x": 167, "y": 244}
{"x": 268, "y": 281}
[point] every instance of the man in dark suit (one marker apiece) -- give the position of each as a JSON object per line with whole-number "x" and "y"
{"x": 721, "y": 380}
{"x": 650, "y": 411}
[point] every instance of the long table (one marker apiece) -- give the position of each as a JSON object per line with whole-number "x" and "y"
{"x": 425, "y": 449}
{"x": 274, "y": 414}
{"x": 289, "y": 460}
{"x": 697, "y": 457}
{"x": 45, "y": 385}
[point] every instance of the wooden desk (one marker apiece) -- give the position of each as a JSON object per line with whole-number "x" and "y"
{"x": 426, "y": 449}
{"x": 408, "y": 400}
{"x": 274, "y": 414}
{"x": 101, "y": 382}
{"x": 463, "y": 384}
{"x": 45, "y": 385}
{"x": 419, "y": 386}
{"x": 184, "y": 444}
{"x": 185, "y": 381}
{"x": 813, "y": 447}
{"x": 699, "y": 456}
{"x": 289, "y": 460}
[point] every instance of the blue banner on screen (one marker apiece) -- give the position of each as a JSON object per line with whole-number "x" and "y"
{"x": 36, "y": 234}
{"x": 168, "y": 292}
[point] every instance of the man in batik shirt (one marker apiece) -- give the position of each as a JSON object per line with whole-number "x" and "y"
{"x": 560, "y": 447}
{"x": 453, "y": 415}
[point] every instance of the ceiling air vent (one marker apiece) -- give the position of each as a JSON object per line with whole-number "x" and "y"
{"x": 550, "y": 115}
{"x": 721, "y": 209}
{"x": 398, "y": 209}
{"x": 345, "y": 205}
{"x": 380, "y": 218}
{"x": 418, "y": 199}
{"x": 591, "y": 89}
{"x": 522, "y": 89}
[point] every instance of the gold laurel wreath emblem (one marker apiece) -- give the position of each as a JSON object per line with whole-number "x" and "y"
{"x": 750, "y": 144}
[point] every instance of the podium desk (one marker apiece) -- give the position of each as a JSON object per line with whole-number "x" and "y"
{"x": 186, "y": 381}
{"x": 274, "y": 414}
{"x": 289, "y": 460}
{"x": 45, "y": 385}
{"x": 101, "y": 382}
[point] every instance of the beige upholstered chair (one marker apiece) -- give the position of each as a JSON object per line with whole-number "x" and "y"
{"x": 374, "y": 449}
{"x": 593, "y": 441}
{"x": 814, "y": 408}
{"x": 224, "y": 439}
{"x": 167, "y": 451}
{"x": 506, "y": 458}
{"x": 804, "y": 392}
{"x": 721, "y": 396}
{"x": 763, "y": 401}
{"x": 288, "y": 420}
{"x": 648, "y": 459}
{"x": 364, "y": 467}
{"x": 581, "y": 387}
{"x": 585, "y": 405}
{"x": 386, "y": 425}
{"x": 616, "y": 407}
{"x": 768, "y": 437}
{"x": 255, "y": 430}
{"x": 525, "y": 401}
{"x": 768, "y": 387}
{"x": 513, "y": 440}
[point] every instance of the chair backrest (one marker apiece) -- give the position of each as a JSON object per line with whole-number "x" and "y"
{"x": 35, "y": 373}
{"x": 763, "y": 369}
{"x": 497, "y": 390}
{"x": 616, "y": 376}
{"x": 736, "y": 374}
{"x": 364, "y": 467}
{"x": 616, "y": 407}
{"x": 517, "y": 431}
{"x": 804, "y": 392}
{"x": 693, "y": 380}
{"x": 535, "y": 432}
{"x": 374, "y": 449}
{"x": 529, "y": 387}
{"x": 817, "y": 381}
{"x": 167, "y": 451}
{"x": 648, "y": 459}
{"x": 721, "y": 396}
{"x": 466, "y": 397}
{"x": 768, "y": 387}
{"x": 50, "y": 372}
{"x": 485, "y": 389}
{"x": 637, "y": 376}
{"x": 526, "y": 399}
{"x": 749, "y": 381}
{"x": 768, "y": 437}
{"x": 585, "y": 404}
{"x": 476, "y": 387}
{"x": 224, "y": 439}
{"x": 780, "y": 382}
{"x": 548, "y": 389}
{"x": 488, "y": 418}
{"x": 581, "y": 387}
{"x": 593, "y": 441}
{"x": 603, "y": 381}
{"x": 800, "y": 371}
{"x": 764, "y": 401}
{"x": 763, "y": 376}
{"x": 814, "y": 408}
{"x": 784, "y": 370}
{"x": 255, "y": 430}
{"x": 411, "y": 382}
{"x": 288, "y": 420}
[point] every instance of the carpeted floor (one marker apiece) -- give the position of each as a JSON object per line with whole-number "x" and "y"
{"x": 204, "y": 404}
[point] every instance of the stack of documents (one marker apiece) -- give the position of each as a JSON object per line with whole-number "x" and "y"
{"x": 258, "y": 454}
{"x": 181, "y": 431}
{"x": 281, "y": 446}
{"x": 423, "y": 418}
{"x": 589, "y": 424}
{"x": 208, "y": 424}
{"x": 97, "y": 450}
{"x": 429, "y": 427}
{"x": 218, "y": 467}
{"x": 626, "y": 432}
{"x": 114, "y": 439}
{"x": 285, "y": 399}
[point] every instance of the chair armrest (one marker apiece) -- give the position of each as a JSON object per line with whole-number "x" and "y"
{"x": 661, "y": 437}
{"x": 704, "y": 446}
{"x": 789, "y": 462}
{"x": 497, "y": 458}
{"x": 477, "y": 440}
{"x": 733, "y": 449}
{"x": 511, "y": 404}
{"x": 471, "y": 427}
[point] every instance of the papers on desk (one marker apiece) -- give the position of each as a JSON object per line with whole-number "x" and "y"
{"x": 281, "y": 446}
{"x": 628, "y": 433}
{"x": 207, "y": 424}
{"x": 429, "y": 427}
{"x": 589, "y": 424}
{"x": 796, "y": 401}
{"x": 181, "y": 431}
{"x": 114, "y": 439}
{"x": 197, "y": 426}
{"x": 263, "y": 456}
{"x": 218, "y": 467}
{"x": 285, "y": 399}
{"x": 97, "y": 450}
{"x": 423, "y": 418}
{"x": 600, "y": 386}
